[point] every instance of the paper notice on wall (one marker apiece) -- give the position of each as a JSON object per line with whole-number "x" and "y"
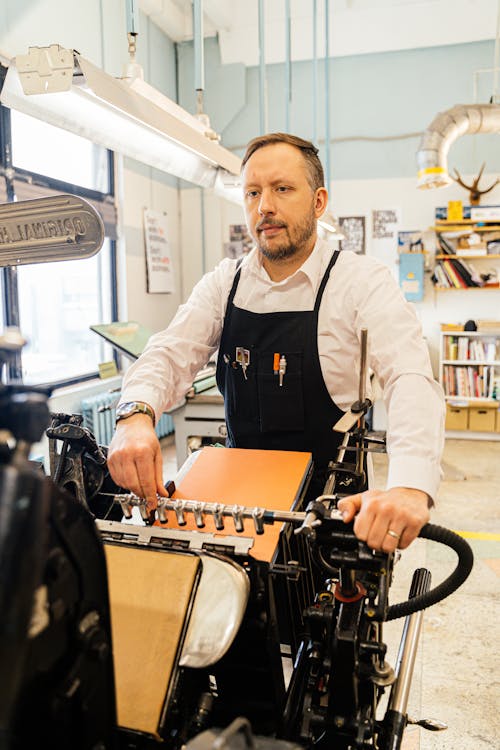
{"x": 160, "y": 274}
{"x": 385, "y": 225}
{"x": 353, "y": 229}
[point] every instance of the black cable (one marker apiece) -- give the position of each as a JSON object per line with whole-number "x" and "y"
{"x": 449, "y": 585}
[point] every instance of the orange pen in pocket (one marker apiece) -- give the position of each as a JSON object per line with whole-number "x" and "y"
{"x": 276, "y": 363}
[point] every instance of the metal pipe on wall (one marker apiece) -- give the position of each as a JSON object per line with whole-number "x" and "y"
{"x": 496, "y": 61}
{"x": 262, "y": 71}
{"x": 199, "y": 84}
{"x": 199, "y": 64}
{"x": 432, "y": 155}
{"x": 327, "y": 93}
{"x": 288, "y": 65}
{"x": 315, "y": 73}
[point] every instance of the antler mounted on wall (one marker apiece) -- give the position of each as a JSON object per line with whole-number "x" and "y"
{"x": 475, "y": 193}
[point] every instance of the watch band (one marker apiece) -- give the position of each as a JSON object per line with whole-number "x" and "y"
{"x": 129, "y": 408}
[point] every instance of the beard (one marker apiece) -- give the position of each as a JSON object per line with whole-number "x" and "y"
{"x": 296, "y": 238}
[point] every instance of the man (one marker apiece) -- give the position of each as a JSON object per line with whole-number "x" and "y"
{"x": 287, "y": 325}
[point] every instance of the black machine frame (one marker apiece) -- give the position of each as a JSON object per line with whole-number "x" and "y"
{"x": 52, "y": 566}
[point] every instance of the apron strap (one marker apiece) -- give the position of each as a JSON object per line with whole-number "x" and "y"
{"x": 235, "y": 283}
{"x": 324, "y": 280}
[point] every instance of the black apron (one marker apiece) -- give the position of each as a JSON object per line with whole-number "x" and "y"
{"x": 297, "y": 415}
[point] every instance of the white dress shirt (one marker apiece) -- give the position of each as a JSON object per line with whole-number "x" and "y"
{"x": 361, "y": 293}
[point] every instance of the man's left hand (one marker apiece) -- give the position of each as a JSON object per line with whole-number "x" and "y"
{"x": 387, "y": 519}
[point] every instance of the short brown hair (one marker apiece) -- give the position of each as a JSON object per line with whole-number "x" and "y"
{"x": 316, "y": 177}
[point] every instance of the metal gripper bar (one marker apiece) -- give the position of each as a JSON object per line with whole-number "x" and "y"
{"x": 200, "y": 510}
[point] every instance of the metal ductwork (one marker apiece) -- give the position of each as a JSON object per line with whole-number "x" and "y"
{"x": 444, "y": 130}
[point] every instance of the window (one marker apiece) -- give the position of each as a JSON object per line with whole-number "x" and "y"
{"x": 55, "y": 303}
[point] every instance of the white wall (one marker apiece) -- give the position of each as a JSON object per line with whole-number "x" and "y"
{"x": 143, "y": 188}
{"x": 81, "y": 26}
{"x": 360, "y": 197}
{"x": 203, "y": 250}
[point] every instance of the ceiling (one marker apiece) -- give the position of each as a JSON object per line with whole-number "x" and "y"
{"x": 355, "y": 26}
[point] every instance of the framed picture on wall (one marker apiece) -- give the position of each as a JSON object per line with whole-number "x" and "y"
{"x": 353, "y": 229}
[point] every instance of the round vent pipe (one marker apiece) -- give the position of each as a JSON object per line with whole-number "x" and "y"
{"x": 432, "y": 155}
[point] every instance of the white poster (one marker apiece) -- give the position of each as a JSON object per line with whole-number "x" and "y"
{"x": 385, "y": 225}
{"x": 159, "y": 263}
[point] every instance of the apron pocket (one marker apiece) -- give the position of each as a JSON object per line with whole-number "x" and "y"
{"x": 241, "y": 398}
{"x": 282, "y": 407}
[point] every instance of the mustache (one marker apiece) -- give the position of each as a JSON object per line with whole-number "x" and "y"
{"x": 268, "y": 223}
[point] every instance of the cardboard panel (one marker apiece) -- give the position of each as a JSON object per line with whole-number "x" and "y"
{"x": 150, "y": 597}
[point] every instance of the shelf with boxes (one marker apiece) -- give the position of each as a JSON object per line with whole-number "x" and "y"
{"x": 467, "y": 249}
{"x": 469, "y": 372}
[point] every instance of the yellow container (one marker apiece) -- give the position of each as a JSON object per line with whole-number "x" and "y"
{"x": 482, "y": 418}
{"x": 457, "y": 417}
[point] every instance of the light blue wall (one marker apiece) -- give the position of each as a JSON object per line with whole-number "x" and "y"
{"x": 374, "y": 95}
{"x": 157, "y": 55}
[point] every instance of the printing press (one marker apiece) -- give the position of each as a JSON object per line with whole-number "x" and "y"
{"x": 120, "y": 629}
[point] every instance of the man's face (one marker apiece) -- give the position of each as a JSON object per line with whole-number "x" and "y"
{"x": 281, "y": 208}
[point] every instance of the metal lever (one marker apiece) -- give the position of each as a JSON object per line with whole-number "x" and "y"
{"x": 238, "y": 518}
{"x": 218, "y": 517}
{"x": 258, "y": 519}
{"x": 315, "y": 512}
{"x": 162, "y": 512}
{"x": 179, "y": 506}
{"x": 396, "y": 717}
{"x": 143, "y": 510}
{"x": 433, "y": 725}
{"x": 361, "y": 406}
{"x": 198, "y": 512}
{"x": 126, "y": 506}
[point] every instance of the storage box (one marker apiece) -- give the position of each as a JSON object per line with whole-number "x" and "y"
{"x": 497, "y": 421}
{"x": 482, "y": 418}
{"x": 457, "y": 417}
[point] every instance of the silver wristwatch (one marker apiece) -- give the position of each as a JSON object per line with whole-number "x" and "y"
{"x": 127, "y": 408}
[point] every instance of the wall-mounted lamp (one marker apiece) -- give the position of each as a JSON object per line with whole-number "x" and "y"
{"x": 330, "y": 225}
{"x": 125, "y": 115}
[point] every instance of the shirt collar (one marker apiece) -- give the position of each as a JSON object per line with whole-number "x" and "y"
{"x": 312, "y": 269}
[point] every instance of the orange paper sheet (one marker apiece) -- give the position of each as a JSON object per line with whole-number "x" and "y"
{"x": 238, "y": 476}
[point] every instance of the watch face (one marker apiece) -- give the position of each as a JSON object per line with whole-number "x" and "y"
{"x": 134, "y": 407}
{"x": 126, "y": 409}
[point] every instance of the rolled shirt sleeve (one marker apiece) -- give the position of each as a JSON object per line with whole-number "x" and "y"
{"x": 165, "y": 370}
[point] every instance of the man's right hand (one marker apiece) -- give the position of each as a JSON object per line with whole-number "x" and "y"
{"x": 135, "y": 459}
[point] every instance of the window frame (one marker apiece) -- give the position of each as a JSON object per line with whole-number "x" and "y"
{"x": 9, "y": 274}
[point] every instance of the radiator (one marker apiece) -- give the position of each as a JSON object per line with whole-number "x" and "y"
{"x": 99, "y": 414}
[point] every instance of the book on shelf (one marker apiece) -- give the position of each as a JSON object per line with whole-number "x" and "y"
{"x": 469, "y": 381}
{"x": 475, "y": 349}
{"x": 451, "y": 272}
{"x": 454, "y": 275}
{"x": 439, "y": 277}
{"x": 474, "y": 213}
{"x": 445, "y": 246}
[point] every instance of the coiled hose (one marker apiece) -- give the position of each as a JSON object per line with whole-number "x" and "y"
{"x": 449, "y": 585}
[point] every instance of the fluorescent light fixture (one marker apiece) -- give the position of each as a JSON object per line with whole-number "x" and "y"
{"x": 61, "y": 87}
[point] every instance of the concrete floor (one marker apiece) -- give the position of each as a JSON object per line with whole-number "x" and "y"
{"x": 456, "y": 677}
{"x": 456, "y": 674}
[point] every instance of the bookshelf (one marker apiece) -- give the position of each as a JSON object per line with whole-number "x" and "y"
{"x": 469, "y": 372}
{"x": 462, "y": 249}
